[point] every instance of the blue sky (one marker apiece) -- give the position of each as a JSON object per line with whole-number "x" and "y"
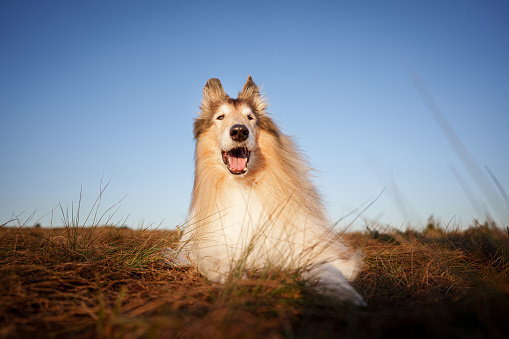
{"x": 107, "y": 90}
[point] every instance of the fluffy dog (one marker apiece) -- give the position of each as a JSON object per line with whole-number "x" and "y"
{"x": 253, "y": 204}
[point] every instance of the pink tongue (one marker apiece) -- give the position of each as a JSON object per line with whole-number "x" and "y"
{"x": 238, "y": 164}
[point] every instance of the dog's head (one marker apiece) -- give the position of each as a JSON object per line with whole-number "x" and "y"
{"x": 235, "y": 123}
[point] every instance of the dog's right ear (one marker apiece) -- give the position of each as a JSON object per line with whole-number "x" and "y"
{"x": 213, "y": 93}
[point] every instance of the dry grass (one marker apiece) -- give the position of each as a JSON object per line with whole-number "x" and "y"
{"x": 111, "y": 282}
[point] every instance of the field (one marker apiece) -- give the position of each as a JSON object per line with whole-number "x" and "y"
{"x": 112, "y": 282}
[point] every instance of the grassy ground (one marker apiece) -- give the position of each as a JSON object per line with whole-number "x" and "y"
{"x": 110, "y": 282}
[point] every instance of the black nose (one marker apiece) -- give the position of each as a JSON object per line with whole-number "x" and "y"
{"x": 239, "y": 133}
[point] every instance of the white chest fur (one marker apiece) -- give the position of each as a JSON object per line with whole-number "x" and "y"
{"x": 240, "y": 214}
{"x": 231, "y": 232}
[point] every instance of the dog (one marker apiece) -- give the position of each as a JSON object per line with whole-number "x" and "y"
{"x": 253, "y": 204}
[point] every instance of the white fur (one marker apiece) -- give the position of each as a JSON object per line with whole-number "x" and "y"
{"x": 241, "y": 233}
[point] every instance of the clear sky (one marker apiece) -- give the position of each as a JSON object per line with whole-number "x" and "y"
{"x": 109, "y": 89}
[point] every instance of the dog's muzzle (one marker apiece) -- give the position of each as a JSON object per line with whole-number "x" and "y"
{"x": 236, "y": 159}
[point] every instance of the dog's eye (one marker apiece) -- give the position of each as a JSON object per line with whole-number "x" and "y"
{"x": 220, "y": 117}
{"x": 250, "y": 117}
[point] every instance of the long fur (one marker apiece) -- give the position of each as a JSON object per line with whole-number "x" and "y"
{"x": 270, "y": 215}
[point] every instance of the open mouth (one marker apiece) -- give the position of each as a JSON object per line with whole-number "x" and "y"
{"x": 236, "y": 160}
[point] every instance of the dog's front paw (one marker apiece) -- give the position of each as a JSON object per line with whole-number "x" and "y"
{"x": 176, "y": 258}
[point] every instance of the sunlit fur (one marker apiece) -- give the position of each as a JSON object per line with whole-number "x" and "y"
{"x": 270, "y": 216}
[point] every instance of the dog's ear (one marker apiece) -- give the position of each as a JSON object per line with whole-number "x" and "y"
{"x": 250, "y": 90}
{"x": 213, "y": 93}
{"x": 251, "y": 93}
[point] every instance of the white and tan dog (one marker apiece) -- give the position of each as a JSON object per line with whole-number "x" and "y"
{"x": 253, "y": 204}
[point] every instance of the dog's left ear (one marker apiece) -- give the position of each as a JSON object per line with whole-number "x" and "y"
{"x": 250, "y": 90}
{"x": 251, "y": 94}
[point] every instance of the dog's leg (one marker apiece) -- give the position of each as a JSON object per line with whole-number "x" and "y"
{"x": 216, "y": 270}
{"x": 177, "y": 257}
{"x": 329, "y": 281}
